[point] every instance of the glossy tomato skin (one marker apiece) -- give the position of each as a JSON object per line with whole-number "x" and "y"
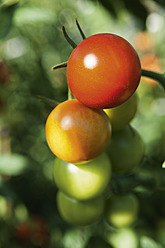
{"x": 103, "y": 71}
{"x": 126, "y": 150}
{"x": 83, "y": 181}
{"x": 76, "y": 133}
{"x": 123, "y": 114}
{"x": 121, "y": 210}
{"x": 80, "y": 213}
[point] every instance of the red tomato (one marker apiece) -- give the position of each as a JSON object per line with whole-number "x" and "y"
{"x": 103, "y": 71}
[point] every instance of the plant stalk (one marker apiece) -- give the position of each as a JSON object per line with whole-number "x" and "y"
{"x": 160, "y": 77}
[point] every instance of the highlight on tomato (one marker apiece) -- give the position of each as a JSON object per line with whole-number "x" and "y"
{"x": 80, "y": 213}
{"x": 126, "y": 150}
{"x": 123, "y": 114}
{"x": 121, "y": 210}
{"x": 83, "y": 181}
{"x": 76, "y": 133}
{"x": 103, "y": 71}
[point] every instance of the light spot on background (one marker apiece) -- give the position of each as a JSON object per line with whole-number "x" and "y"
{"x": 154, "y": 22}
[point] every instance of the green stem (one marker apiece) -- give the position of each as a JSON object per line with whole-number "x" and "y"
{"x": 70, "y": 41}
{"x": 160, "y": 77}
{"x": 80, "y": 30}
{"x": 70, "y": 95}
{"x": 61, "y": 65}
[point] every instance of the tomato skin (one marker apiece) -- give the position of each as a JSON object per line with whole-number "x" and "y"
{"x": 122, "y": 115}
{"x": 121, "y": 210}
{"x": 83, "y": 181}
{"x": 80, "y": 213}
{"x": 76, "y": 133}
{"x": 126, "y": 150}
{"x": 103, "y": 71}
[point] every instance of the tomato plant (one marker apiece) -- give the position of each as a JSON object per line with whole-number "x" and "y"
{"x": 80, "y": 213}
{"x": 121, "y": 115}
{"x": 121, "y": 210}
{"x": 103, "y": 71}
{"x": 76, "y": 133}
{"x": 83, "y": 181}
{"x": 126, "y": 150}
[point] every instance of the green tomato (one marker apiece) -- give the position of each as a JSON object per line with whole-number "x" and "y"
{"x": 126, "y": 150}
{"x": 121, "y": 115}
{"x": 80, "y": 213}
{"x": 121, "y": 210}
{"x": 83, "y": 181}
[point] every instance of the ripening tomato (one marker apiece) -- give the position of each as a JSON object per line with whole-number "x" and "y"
{"x": 80, "y": 213}
{"x": 121, "y": 210}
{"x": 83, "y": 181}
{"x": 121, "y": 115}
{"x": 126, "y": 150}
{"x": 103, "y": 71}
{"x": 76, "y": 133}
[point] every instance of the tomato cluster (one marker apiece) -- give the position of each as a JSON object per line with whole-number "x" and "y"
{"x": 91, "y": 135}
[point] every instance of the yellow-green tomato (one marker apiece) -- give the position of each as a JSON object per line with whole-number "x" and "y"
{"x": 126, "y": 150}
{"x": 121, "y": 210}
{"x": 83, "y": 181}
{"x": 121, "y": 115}
{"x": 80, "y": 213}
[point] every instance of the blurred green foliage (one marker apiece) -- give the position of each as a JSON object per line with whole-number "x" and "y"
{"x": 31, "y": 42}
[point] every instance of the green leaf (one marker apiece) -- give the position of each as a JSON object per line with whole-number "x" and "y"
{"x": 12, "y": 164}
{"x": 7, "y": 9}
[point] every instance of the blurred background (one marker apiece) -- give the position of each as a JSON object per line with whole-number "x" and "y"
{"x": 31, "y": 42}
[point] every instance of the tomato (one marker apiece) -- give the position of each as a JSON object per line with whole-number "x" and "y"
{"x": 103, "y": 71}
{"x": 126, "y": 150}
{"x": 76, "y": 133}
{"x": 83, "y": 181}
{"x": 80, "y": 213}
{"x": 121, "y": 115}
{"x": 124, "y": 237}
{"x": 121, "y": 210}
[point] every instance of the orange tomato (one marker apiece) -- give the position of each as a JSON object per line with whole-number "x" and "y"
{"x": 76, "y": 133}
